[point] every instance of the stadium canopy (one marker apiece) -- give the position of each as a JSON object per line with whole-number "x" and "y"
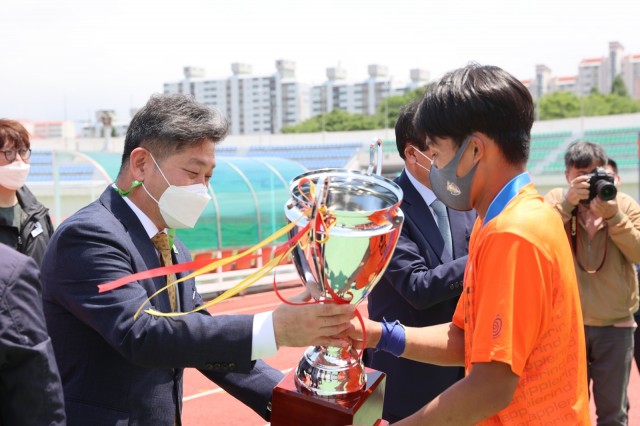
{"x": 248, "y": 198}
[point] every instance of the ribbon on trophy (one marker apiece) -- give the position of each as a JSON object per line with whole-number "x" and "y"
{"x": 320, "y": 224}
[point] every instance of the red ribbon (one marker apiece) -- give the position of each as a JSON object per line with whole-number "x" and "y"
{"x": 188, "y": 266}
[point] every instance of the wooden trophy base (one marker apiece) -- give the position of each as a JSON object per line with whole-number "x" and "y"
{"x": 292, "y": 407}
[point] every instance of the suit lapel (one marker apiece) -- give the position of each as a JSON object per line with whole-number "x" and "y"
{"x": 144, "y": 253}
{"x": 461, "y": 224}
{"x": 414, "y": 206}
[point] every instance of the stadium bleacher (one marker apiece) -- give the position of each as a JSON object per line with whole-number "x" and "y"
{"x": 42, "y": 169}
{"x": 546, "y": 154}
{"x": 311, "y": 156}
{"x": 620, "y": 144}
{"x": 547, "y": 150}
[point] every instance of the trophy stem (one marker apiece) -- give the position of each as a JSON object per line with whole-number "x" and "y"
{"x": 329, "y": 371}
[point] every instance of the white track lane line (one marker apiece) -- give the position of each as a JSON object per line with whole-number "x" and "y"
{"x": 218, "y": 390}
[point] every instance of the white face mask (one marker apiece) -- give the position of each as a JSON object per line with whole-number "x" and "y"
{"x": 14, "y": 175}
{"x": 181, "y": 206}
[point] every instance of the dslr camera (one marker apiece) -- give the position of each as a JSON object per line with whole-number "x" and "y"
{"x": 601, "y": 185}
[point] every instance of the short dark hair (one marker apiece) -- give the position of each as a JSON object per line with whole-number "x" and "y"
{"x": 168, "y": 124}
{"x": 582, "y": 154}
{"x": 406, "y": 132}
{"x": 12, "y": 133}
{"x": 479, "y": 98}
{"x": 612, "y": 163}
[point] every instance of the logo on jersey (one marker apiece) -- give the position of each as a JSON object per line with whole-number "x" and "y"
{"x": 497, "y": 326}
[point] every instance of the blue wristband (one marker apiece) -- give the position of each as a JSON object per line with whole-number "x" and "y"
{"x": 393, "y": 338}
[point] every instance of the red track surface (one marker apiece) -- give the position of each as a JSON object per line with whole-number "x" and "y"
{"x": 206, "y": 405}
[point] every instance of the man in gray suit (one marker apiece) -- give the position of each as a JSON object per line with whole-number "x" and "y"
{"x": 116, "y": 370}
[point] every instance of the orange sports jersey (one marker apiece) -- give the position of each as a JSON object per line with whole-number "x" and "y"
{"x": 520, "y": 306}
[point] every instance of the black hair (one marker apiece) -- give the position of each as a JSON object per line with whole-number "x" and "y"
{"x": 168, "y": 124}
{"x": 612, "y": 163}
{"x": 406, "y": 132}
{"x": 582, "y": 154}
{"x": 479, "y": 98}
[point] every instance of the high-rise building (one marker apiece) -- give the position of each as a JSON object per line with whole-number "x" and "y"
{"x": 253, "y": 104}
{"x": 631, "y": 74}
{"x": 50, "y": 129}
{"x": 593, "y": 73}
{"x": 364, "y": 97}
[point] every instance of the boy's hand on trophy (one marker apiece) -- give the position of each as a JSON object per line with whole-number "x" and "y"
{"x": 373, "y": 332}
{"x": 312, "y": 325}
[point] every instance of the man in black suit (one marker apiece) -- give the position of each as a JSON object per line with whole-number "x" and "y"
{"x": 117, "y": 370}
{"x": 424, "y": 278}
{"x": 30, "y": 389}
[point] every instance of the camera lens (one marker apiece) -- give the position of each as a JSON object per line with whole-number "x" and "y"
{"x": 606, "y": 191}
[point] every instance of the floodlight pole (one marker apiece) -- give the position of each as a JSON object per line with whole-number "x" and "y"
{"x": 106, "y": 118}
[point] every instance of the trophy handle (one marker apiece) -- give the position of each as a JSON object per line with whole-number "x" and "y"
{"x": 377, "y": 143}
{"x": 319, "y": 200}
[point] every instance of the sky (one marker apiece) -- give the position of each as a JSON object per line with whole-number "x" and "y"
{"x": 65, "y": 59}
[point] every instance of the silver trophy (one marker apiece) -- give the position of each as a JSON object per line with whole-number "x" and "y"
{"x": 355, "y": 221}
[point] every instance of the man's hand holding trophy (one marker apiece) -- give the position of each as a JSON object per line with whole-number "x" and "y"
{"x": 352, "y": 221}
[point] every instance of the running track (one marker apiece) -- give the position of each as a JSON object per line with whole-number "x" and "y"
{"x": 206, "y": 405}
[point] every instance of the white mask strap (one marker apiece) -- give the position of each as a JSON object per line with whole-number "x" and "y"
{"x": 425, "y": 156}
{"x": 159, "y": 169}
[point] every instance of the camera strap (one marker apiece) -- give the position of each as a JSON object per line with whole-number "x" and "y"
{"x": 573, "y": 231}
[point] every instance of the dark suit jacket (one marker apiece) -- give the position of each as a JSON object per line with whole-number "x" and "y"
{"x": 117, "y": 371}
{"x": 419, "y": 288}
{"x": 30, "y": 389}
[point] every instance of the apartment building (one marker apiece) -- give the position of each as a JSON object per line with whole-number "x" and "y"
{"x": 362, "y": 97}
{"x": 50, "y": 129}
{"x": 253, "y": 104}
{"x": 597, "y": 73}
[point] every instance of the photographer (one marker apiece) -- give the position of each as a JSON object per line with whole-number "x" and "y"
{"x": 603, "y": 227}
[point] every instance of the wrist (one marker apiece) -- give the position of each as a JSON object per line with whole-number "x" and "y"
{"x": 569, "y": 202}
{"x": 392, "y": 338}
{"x": 374, "y": 334}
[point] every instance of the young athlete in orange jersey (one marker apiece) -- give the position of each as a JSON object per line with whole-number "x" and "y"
{"x": 518, "y": 326}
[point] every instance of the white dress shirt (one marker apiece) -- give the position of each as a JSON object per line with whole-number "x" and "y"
{"x": 263, "y": 343}
{"x": 427, "y": 195}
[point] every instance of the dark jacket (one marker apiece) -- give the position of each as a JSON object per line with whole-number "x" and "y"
{"x": 419, "y": 288}
{"x": 119, "y": 371}
{"x": 30, "y": 389}
{"x": 35, "y": 229}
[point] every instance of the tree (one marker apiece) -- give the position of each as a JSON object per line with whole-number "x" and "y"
{"x": 566, "y": 105}
{"x": 335, "y": 121}
{"x": 394, "y": 103}
{"x": 618, "y": 87}
{"x": 340, "y": 120}
{"x": 559, "y": 105}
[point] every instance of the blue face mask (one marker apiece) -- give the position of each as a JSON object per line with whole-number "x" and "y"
{"x": 453, "y": 191}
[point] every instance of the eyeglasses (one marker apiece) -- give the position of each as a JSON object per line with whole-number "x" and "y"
{"x": 10, "y": 154}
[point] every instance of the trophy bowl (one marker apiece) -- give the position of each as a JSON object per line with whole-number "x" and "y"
{"x": 355, "y": 222}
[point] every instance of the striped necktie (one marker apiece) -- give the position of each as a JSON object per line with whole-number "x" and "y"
{"x": 443, "y": 223}
{"x": 161, "y": 241}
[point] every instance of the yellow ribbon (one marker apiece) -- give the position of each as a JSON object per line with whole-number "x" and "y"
{"x": 257, "y": 274}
